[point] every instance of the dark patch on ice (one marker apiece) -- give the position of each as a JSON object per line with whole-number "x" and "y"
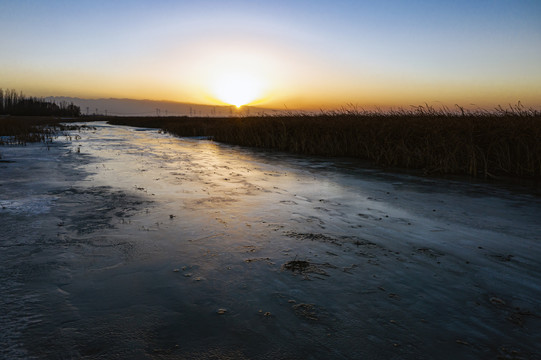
{"x": 306, "y": 268}
{"x": 366, "y": 244}
{"x": 431, "y": 253}
{"x": 313, "y": 237}
{"x": 264, "y": 259}
{"x": 296, "y": 265}
{"x": 519, "y": 317}
{"x": 501, "y": 257}
{"x": 369, "y": 217}
{"x": 85, "y": 210}
{"x": 512, "y": 352}
{"x": 306, "y": 311}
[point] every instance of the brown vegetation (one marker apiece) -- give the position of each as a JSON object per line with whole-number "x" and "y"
{"x": 19, "y": 130}
{"x": 504, "y": 142}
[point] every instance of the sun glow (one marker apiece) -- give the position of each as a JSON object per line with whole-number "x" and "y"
{"x": 237, "y": 88}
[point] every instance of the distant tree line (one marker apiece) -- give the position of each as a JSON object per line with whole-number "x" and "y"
{"x": 13, "y": 103}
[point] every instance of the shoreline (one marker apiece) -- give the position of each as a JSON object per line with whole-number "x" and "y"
{"x": 499, "y": 147}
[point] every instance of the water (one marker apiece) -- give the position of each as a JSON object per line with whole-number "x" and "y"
{"x": 129, "y": 243}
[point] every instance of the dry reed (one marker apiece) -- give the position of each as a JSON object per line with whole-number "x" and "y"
{"x": 19, "y": 130}
{"x": 503, "y": 142}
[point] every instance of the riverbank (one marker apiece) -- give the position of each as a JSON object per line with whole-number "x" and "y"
{"x": 21, "y": 130}
{"x": 479, "y": 144}
{"x": 504, "y": 144}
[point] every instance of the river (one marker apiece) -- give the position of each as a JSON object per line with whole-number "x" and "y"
{"x": 127, "y": 243}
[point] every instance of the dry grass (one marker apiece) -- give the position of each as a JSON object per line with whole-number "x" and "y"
{"x": 19, "y": 130}
{"x": 503, "y": 142}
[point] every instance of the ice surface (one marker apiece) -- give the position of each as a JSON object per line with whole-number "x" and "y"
{"x": 137, "y": 244}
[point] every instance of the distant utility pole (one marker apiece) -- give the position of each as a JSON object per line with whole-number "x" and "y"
{"x": 157, "y": 112}
{"x": 87, "y": 110}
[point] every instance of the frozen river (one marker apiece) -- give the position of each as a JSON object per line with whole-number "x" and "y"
{"x": 132, "y": 244}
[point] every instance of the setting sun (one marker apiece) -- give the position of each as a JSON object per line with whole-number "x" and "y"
{"x": 237, "y": 88}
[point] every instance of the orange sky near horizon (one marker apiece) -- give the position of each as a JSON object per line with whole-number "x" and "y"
{"x": 296, "y": 55}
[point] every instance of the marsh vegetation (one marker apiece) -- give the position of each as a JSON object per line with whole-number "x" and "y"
{"x": 20, "y": 130}
{"x": 503, "y": 142}
{"x": 26, "y": 119}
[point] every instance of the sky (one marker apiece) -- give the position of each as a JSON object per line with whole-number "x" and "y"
{"x": 293, "y": 54}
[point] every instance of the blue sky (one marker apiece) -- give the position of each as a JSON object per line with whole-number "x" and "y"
{"x": 305, "y": 54}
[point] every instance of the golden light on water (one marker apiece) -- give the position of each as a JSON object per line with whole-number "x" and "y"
{"x": 237, "y": 88}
